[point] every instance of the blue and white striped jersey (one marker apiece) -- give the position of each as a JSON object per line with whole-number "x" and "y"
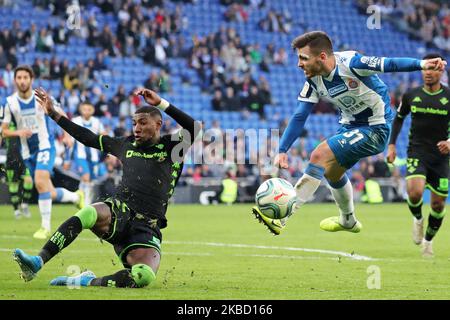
{"x": 80, "y": 150}
{"x": 27, "y": 114}
{"x": 354, "y": 87}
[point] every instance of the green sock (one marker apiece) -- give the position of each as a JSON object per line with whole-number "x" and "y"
{"x": 434, "y": 223}
{"x": 14, "y": 193}
{"x": 27, "y": 192}
{"x": 415, "y": 208}
{"x": 68, "y": 231}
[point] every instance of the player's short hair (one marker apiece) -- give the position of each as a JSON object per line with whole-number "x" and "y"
{"x": 151, "y": 111}
{"x": 318, "y": 41}
{"x": 82, "y": 103}
{"x": 26, "y": 68}
{"x": 433, "y": 55}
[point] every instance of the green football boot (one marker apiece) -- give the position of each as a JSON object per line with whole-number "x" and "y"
{"x": 275, "y": 226}
{"x": 332, "y": 225}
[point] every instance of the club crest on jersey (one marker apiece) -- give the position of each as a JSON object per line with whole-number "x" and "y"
{"x": 335, "y": 91}
{"x": 352, "y": 84}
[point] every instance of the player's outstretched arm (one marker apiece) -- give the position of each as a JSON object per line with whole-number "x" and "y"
{"x": 85, "y": 136}
{"x": 294, "y": 129}
{"x": 410, "y": 64}
{"x": 365, "y": 66}
{"x": 182, "y": 118}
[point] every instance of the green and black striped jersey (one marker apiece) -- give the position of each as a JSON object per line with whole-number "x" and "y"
{"x": 430, "y": 116}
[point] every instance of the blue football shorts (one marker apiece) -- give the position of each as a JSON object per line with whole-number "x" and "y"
{"x": 352, "y": 143}
{"x": 41, "y": 160}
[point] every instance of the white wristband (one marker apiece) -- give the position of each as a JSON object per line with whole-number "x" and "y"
{"x": 163, "y": 105}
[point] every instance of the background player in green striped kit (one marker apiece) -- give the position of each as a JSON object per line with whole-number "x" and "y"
{"x": 428, "y": 151}
{"x": 20, "y": 183}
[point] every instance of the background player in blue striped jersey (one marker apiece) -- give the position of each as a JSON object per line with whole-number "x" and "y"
{"x": 87, "y": 159}
{"x": 349, "y": 80}
{"x": 37, "y": 145}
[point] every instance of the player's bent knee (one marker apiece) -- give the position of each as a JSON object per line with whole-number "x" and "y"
{"x": 28, "y": 180}
{"x": 415, "y": 196}
{"x": 87, "y": 216}
{"x": 28, "y": 184}
{"x": 40, "y": 185}
{"x": 142, "y": 275}
{"x": 438, "y": 208}
{"x": 317, "y": 156}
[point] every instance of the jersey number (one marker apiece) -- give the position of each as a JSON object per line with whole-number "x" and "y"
{"x": 43, "y": 157}
{"x": 352, "y": 133}
{"x": 31, "y": 123}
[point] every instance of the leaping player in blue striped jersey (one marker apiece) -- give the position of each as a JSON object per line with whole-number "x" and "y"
{"x": 87, "y": 159}
{"x": 350, "y": 81}
{"x": 37, "y": 146}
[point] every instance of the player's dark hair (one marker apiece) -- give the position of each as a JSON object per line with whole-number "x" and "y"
{"x": 318, "y": 41}
{"x": 151, "y": 111}
{"x": 26, "y": 68}
{"x": 433, "y": 56}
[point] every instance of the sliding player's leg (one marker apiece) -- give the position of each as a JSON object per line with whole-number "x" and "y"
{"x": 97, "y": 215}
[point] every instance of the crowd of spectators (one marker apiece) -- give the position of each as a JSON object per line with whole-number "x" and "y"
{"x": 276, "y": 22}
{"x": 225, "y": 67}
{"x": 426, "y": 20}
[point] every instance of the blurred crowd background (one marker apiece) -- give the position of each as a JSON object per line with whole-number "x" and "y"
{"x": 227, "y": 63}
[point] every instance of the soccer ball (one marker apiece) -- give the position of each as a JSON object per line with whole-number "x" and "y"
{"x": 276, "y": 198}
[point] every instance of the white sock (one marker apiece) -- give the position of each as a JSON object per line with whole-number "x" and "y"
{"x": 342, "y": 192}
{"x": 307, "y": 185}
{"x": 87, "y": 187}
{"x": 64, "y": 195}
{"x": 45, "y": 207}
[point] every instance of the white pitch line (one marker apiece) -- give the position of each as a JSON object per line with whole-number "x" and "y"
{"x": 251, "y": 246}
{"x": 207, "y": 254}
{"x": 277, "y": 256}
{"x": 239, "y": 245}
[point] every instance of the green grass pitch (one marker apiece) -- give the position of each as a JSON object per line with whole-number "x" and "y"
{"x": 221, "y": 252}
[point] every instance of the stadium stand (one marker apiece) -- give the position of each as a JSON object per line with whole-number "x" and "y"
{"x": 181, "y": 43}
